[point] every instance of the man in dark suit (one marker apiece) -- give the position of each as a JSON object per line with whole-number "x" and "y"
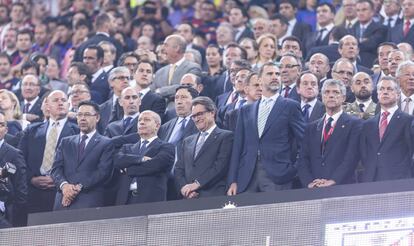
{"x": 288, "y": 8}
{"x": 392, "y": 11}
{"x": 104, "y": 24}
{"x": 348, "y": 48}
{"x": 331, "y": 49}
{"x": 38, "y": 144}
{"x": 387, "y": 139}
{"x": 145, "y": 165}
{"x": 83, "y": 163}
{"x": 93, "y": 58}
{"x": 111, "y": 110}
{"x": 325, "y": 13}
{"x": 319, "y": 66}
{"x": 369, "y": 33}
{"x": 329, "y": 151}
{"x": 143, "y": 78}
{"x": 404, "y": 32}
{"x": 405, "y": 77}
{"x": 344, "y": 71}
{"x": 266, "y": 134}
{"x": 308, "y": 89}
{"x": 383, "y": 50}
{"x": 238, "y": 18}
{"x": 202, "y": 163}
{"x": 363, "y": 107}
{"x": 130, "y": 102}
{"x": 290, "y": 69}
{"x": 293, "y": 45}
{"x": 31, "y": 106}
{"x": 13, "y": 209}
{"x": 187, "y": 31}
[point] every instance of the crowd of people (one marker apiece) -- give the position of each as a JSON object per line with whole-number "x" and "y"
{"x": 108, "y": 103}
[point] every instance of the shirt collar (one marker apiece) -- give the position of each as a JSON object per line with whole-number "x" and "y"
{"x": 366, "y": 25}
{"x": 89, "y": 135}
{"x": 149, "y": 140}
{"x": 328, "y": 27}
{"x": 103, "y": 33}
{"x": 32, "y": 102}
{"x": 335, "y": 117}
{"x": 132, "y": 116}
{"x": 390, "y": 110}
{"x": 144, "y": 91}
{"x": 311, "y": 103}
{"x": 177, "y": 64}
{"x": 274, "y": 97}
{"x": 211, "y": 129}
{"x": 62, "y": 122}
{"x": 403, "y": 97}
{"x": 1, "y": 142}
{"x": 366, "y": 103}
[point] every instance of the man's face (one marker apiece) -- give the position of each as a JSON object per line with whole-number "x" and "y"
{"x": 131, "y": 63}
{"x": 224, "y": 35}
{"x": 395, "y": 58}
{"x": 189, "y": 80}
{"x": 253, "y": 89}
{"x": 287, "y": 11}
{"x": 57, "y": 105}
{"x": 240, "y": 80}
{"x": 183, "y": 101}
{"x": 260, "y": 27}
{"x": 87, "y": 119}
{"x": 208, "y": 12}
{"x": 319, "y": 66}
{"x": 332, "y": 97}
{"x": 250, "y": 50}
{"x": 119, "y": 82}
{"x": 391, "y": 7}
{"x": 308, "y": 87}
{"x": 4, "y": 67}
{"x": 147, "y": 126}
{"x": 79, "y": 93}
{"x": 109, "y": 57}
{"x": 73, "y": 75}
{"x": 185, "y": 31}
{"x": 143, "y": 75}
{"x": 408, "y": 9}
{"x": 362, "y": 86}
{"x": 289, "y": 69}
{"x": 388, "y": 96}
{"x": 236, "y": 17}
{"x": 234, "y": 69}
{"x": 64, "y": 33}
{"x": 10, "y": 39}
{"x": 130, "y": 101}
{"x": 278, "y": 28}
{"x": 344, "y": 72}
{"x": 349, "y": 9}
{"x": 364, "y": 12}
{"x": 290, "y": 46}
{"x": 144, "y": 43}
{"x": 231, "y": 54}
{"x": 17, "y": 14}
{"x": 383, "y": 53}
{"x": 4, "y": 17}
{"x": 213, "y": 56}
{"x": 90, "y": 58}
{"x": 40, "y": 34}
{"x": 170, "y": 49}
{"x": 24, "y": 43}
{"x": 349, "y": 48}
{"x": 3, "y": 126}
{"x": 30, "y": 87}
{"x": 406, "y": 79}
{"x": 270, "y": 79}
{"x": 324, "y": 16}
{"x": 202, "y": 118}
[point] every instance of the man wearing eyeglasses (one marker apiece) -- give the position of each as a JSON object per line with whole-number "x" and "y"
{"x": 290, "y": 69}
{"x": 202, "y": 164}
{"x": 31, "y": 104}
{"x": 83, "y": 163}
{"x": 38, "y": 144}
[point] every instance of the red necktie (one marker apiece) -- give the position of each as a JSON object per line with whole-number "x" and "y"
{"x": 383, "y": 124}
{"x": 287, "y": 89}
{"x": 407, "y": 27}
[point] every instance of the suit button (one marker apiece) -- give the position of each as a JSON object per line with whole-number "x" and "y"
{"x": 378, "y": 153}
{"x": 323, "y": 163}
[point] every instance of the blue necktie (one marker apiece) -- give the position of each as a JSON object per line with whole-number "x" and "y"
{"x": 127, "y": 121}
{"x": 178, "y": 134}
{"x": 305, "y": 112}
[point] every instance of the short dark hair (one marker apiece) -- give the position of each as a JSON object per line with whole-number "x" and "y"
{"x": 90, "y": 103}
{"x": 83, "y": 22}
{"x": 249, "y": 77}
{"x": 36, "y": 56}
{"x": 193, "y": 92}
{"x": 392, "y": 44}
{"x": 25, "y": 32}
{"x": 291, "y": 2}
{"x": 304, "y": 73}
{"x": 293, "y": 38}
{"x": 243, "y": 51}
{"x": 265, "y": 65}
{"x": 83, "y": 69}
{"x": 370, "y": 3}
{"x": 5, "y": 55}
{"x": 147, "y": 61}
{"x": 243, "y": 64}
{"x": 330, "y": 6}
{"x": 30, "y": 64}
{"x": 243, "y": 10}
{"x": 124, "y": 56}
{"x": 220, "y": 51}
{"x": 338, "y": 33}
{"x": 99, "y": 51}
{"x": 101, "y": 19}
{"x": 281, "y": 18}
{"x": 206, "y": 102}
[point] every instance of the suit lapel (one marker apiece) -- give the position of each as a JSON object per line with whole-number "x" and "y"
{"x": 392, "y": 124}
{"x": 131, "y": 124}
{"x": 171, "y": 129}
{"x": 253, "y": 116}
{"x": 274, "y": 113}
{"x": 340, "y": 126}
{"x": 90, "y": 146}
{"x": 3, "y": 151}
{"x": 319, "y": 128}
{"x": 210, "y": 140}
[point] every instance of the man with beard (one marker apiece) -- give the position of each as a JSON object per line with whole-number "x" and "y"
{"x": 264, "y": 155}
{"x": 362, "y": 87}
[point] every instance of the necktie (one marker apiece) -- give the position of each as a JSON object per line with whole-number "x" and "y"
{"x": 305, "y": 112}
{"x": 200, "y": 142}
{"x": 50, "y": 148}
{"x": 407, "y": 27}
{"x": 264, "y": 111}
{"x": 143, "y": 148}
{"x": 389, "y": 22}
{"x": 171, "y": 73}
{"x": 240, "y": 103}
{"x": 407, "y": 101}
{"x": 320, "y": 35}
{"x": 133, "y": 186}
{"x": 349, "y": 26}
{"x": 361, "y": 107}
{"x": 383, "y": 124}
{"x": 287, "y": 89}
{"x": 26, "y": 108}
{"x": 126, "y": 122}
{"x": 327, "y": 132}
{"x": 361, "y": 33}
{"x": 82, "y": 146}
{"x": 178, "y": 134}
{"x": 234, "y": 97}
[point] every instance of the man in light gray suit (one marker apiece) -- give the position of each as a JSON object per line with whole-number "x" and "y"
{"x": 167, "y": 79}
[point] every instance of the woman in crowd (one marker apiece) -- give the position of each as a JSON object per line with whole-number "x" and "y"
{"x": 214, "y": 60}
{"x": 267, "y": 50}
{"x": 9, "y": 105}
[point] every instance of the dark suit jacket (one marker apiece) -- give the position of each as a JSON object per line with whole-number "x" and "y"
{"x": 293, "y": 94}
{"x": 166, "y": 129}
{"x": 390, "y": 158}
{"x": 220, "y": 82}
{"x": 330, "y": 50}
{"x": 340, "y": 155}
{"x": 15, "y": 206}
{"x": 209, "y": 167}
{"x": 94, "y": 40}
{"x": 247, "y": 33}
{"x": 301, "y": 30}
{"x": 116, "y": 128}
{"x": 92, "y": 171}
{"x": 36, "y": 109}
{"x": 312, "y": 41}
{"x": 154, "y": 102}
{"x": 109, "y": 113}
{"x": 361, "y": 68}
{"x": 33, "y": 142}
{"x": 230, "y": 119}
{"x": 284, "y": 127}
{"x": 396, "y": 35}
{"x": 222, "y": 99}
{"x": 317, "y": 112}
{"x": 375, "y": 34}
{"x": 151, "y": 175}
{"x": 100, "y": 89}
